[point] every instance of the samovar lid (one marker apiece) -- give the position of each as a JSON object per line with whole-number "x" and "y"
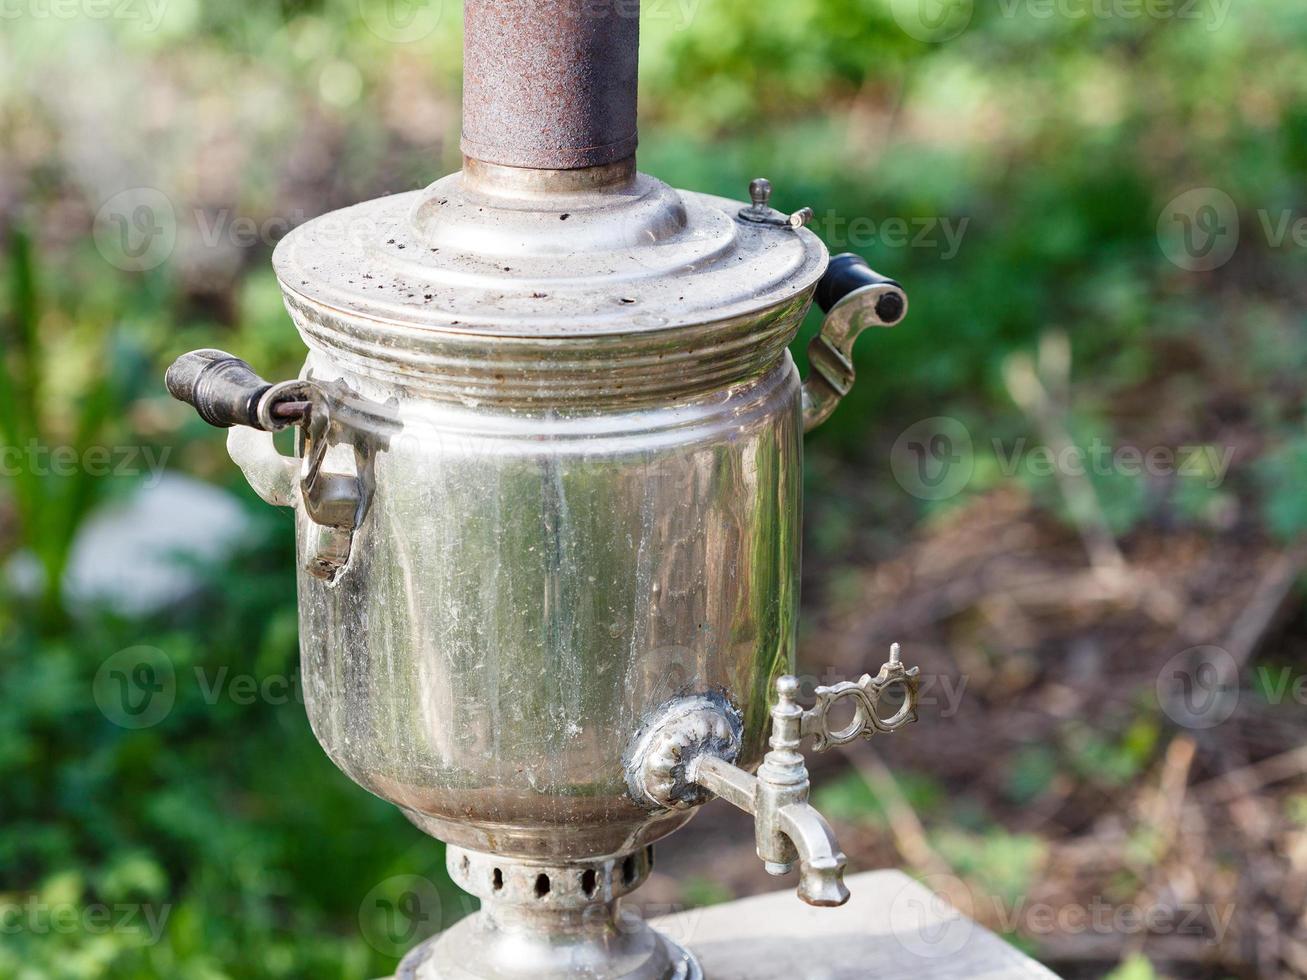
{"x": 512, "y": 252}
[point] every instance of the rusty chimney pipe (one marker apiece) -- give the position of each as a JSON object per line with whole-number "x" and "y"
{"x": 550, "y": 84}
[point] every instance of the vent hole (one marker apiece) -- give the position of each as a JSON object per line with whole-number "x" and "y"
{"x": 648, "y": 856}
{"x": 498, "y": 880}
{"x": 464, "y": 864}
{"x": 628, "y": 870}
{"x": 542, "y": 886}
{"x": 588, "y": 883}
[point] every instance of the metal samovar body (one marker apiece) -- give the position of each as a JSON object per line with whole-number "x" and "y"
{"x": 547, "y": 493}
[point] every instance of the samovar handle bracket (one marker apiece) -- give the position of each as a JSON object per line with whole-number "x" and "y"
{"x": 854, "y": 298}
{"x": 226, "y": 392}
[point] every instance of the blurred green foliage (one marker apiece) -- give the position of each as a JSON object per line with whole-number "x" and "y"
{"x": 1051, "y": 144}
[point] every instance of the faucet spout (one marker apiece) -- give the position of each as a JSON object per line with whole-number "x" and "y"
{"x": 821, "y": 862}
{"x": 788, "y": 826}
{"x": 691, "y": 751}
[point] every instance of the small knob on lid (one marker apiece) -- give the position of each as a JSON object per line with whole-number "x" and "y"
{"x": 760, "y": 210}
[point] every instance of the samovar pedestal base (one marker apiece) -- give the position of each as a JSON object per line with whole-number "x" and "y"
{"x": 549, "y": 922}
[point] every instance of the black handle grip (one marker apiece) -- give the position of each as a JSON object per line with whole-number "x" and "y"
{"x": 848, "y": 272}
{"x": 221, "y": 387}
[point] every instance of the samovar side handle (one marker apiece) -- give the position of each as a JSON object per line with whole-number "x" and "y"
{"x": 227, "y": 393}
{"x": 854, "y": 297}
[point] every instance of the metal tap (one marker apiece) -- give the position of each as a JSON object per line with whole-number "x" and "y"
{"x": 692, "y": 747}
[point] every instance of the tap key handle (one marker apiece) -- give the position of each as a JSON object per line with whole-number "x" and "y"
{"x": 866, "y": 696}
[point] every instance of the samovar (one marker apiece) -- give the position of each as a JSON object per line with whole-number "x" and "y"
{"x": 547, "y": 497}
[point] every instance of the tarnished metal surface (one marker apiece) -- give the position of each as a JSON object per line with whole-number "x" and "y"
{"x": 549, "y": 502}
{"x": 550, "y": 83}
{"x": 479, "y": 257}
{"x": 566, "y": 403}
{"x": 551, "y": 488}
{"x": 543, "y": 921}
{"x": 531, "y": 585}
